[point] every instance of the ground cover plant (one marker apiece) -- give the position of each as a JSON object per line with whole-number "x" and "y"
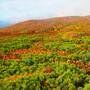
{"x": 52, "y": 55}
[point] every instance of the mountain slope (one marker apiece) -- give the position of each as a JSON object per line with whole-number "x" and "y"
{"x": 37, "y": 26}
{"x": 51, "y": 54}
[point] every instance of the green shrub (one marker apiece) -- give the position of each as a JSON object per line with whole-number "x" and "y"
{"x": 87, "y": 86}
{"x": 69, "y": 47}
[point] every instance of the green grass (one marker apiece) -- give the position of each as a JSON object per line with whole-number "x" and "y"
{"x": 86, "y": 39}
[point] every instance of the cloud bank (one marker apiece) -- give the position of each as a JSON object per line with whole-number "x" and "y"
{"x": 19, "y": 10}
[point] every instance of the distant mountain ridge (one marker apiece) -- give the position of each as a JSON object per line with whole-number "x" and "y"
{"x": 4, "y": 24}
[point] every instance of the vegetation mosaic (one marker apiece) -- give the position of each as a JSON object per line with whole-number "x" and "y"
{"x": 49, "y": 54}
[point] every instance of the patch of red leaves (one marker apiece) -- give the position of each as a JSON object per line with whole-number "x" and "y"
{"x": 7, "y": 57}
{"x": 81, "y": 65}
{"x": 14, "y": 77}
{"x": 38, "y": 50}
{"x": 87, "y": 33}
{"x": 63, "y": 53}
{"x": 21, "y": 51}
{"x": 84, "y": 49}
{"x": 47, "y": 70}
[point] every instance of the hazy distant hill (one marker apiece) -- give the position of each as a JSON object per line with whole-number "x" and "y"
{"x": 4, "y": 24}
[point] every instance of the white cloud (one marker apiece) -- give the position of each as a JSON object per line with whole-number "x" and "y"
{"x": 24, "y": 9}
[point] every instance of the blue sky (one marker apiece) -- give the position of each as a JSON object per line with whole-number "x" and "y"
{"x": 19, "y": 10}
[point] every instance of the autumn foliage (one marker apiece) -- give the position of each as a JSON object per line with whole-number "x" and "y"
{"x": 51, "y": 54}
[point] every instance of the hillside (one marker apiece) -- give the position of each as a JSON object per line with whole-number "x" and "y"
{"x": 38, "y": 26}
{"x": 49, "y": 54}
